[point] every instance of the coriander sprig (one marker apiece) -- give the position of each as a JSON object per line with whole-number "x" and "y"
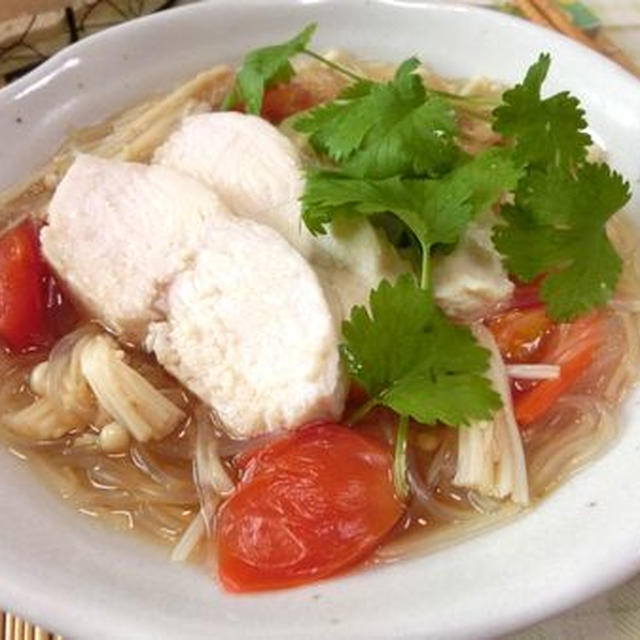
{"x": 268, "y": 66}
{"x": 435, "y": 211}
{"x": 411, "y": 358}
{"x": 263, "y": 67}
{"x": 393, "y": 148}
{"x": 557, "y": 227}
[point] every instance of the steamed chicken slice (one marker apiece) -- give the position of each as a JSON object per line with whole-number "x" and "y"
{"x": 118, "y": 232}
{"x": 248, "y": 329}
{"x": 257, "y": 171}
{"x": 471, "y": 280}
{"x": 135, "y": 242}
{"x": 252, "y": 166}
{"x": 351, "y": 260}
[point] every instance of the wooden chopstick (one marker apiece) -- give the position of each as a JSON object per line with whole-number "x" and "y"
{"x": 561, "y": 22}
{"x": 611, "y": 50}
{"x": 532, "y": 13}
{"x": 546, "y": 13}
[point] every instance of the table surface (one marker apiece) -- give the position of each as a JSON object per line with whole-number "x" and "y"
{"x": 611, "y": 616}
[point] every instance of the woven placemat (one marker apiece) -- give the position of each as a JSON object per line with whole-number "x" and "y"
{"x": 14, "y": 628}
{"x": 33, "y": 30}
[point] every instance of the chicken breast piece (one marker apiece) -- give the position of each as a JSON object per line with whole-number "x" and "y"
{"x": 471, "y": 280}
{"x": 118, "y": 232}
{"x": 249, "y": 330}
{"x": 351, "y": 260}
{"x": 257, "y": 171}
{"x": 228, "y": 306}
{"x": 253, "y": 167}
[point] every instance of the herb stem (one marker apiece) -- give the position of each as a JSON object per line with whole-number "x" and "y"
{"x": 400, "y": 459}
{"x": 455, "y": 97}
{"x": 362, "y": 411}
{"x": 334, "y": 66}
{"x": 424, "y": 271}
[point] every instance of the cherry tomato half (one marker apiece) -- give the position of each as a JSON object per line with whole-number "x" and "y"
{"x": 520, "y": 333}
{"x": 284, "y": 100}
{"x": 572, "y": 347}
{"x": 33, "y": 309}
{"x": 308, "y": 505}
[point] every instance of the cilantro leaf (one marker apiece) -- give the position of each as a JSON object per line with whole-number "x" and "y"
{"x": 434, "y": 211}
{"x": 264, "y": 67}
{"x": 411, "y": 358}
{"x": 557, "y": 228}
{"x": 547, "y": 131}
{"x": 490, "y": 173}
{"x": 379, "y": 130}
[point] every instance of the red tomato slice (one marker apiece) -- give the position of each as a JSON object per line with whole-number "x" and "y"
{"x": 22, "y": 303}
{"x": 571, "y": 346}
{"x": 520, "y": 333}
{"x": 308, "y": 505}
{"x": 524, "y": 333}
{"x": 526, "y": 295}
{"x": 285, "y": 100}
{"x": 33, "y": 310}
{"x": 282, "y": 101}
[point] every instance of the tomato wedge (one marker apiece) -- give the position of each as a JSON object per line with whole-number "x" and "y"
{"x": 524, "y": 333}
{"x": 571, "y": 346}
{"x": 526, "y": 295}
{"x": 22, "y": 301}
{"x": 308, "y": 505}
{"x": 520, "y": 333}
{"x": 285, "y": 100}
{"x": 33, "y": 310}
{"x": 282, "y": 101}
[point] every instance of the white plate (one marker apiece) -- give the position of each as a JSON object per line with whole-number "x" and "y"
{"x": 81, "y": 581}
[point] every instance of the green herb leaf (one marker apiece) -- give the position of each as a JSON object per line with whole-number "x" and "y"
{"x": 411, "y": 358}
{"x": 557, "y": 228}
{"x": 547, "y": 131}
{"x": 264, "y": 67}
{"x": 380, "y": 130}
{"x": 433, "y": 211}
{"x": 490, "y": 174}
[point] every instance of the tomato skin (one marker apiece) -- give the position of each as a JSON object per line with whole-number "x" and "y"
{"x": 572, "y": 347}
{"x": 33, "y": 309}
{"x": 308, "y": 505}
{"x": 285, "y": 100}
{"x": 282, "y": 101}
{"x": 526, "y": 295}
{"x": 22, "y": 304}
{"x": 520, "y": 333}
{"x": 524, "y": 333}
